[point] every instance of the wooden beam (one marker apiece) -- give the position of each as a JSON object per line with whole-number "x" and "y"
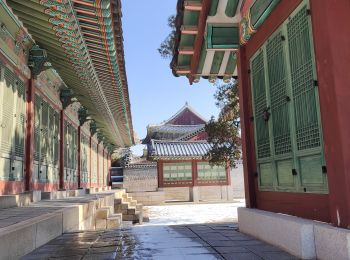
{"x": 193, "y": 30}
{"x": 186, "y": 51}
{"x": 184, "y": 70}
{"x": 199, "y": 38}
{"x": 193, "y": 6}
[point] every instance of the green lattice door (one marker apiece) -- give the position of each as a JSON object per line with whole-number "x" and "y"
{"x": 12, "y": 125}
{"x": 288, "y": 132}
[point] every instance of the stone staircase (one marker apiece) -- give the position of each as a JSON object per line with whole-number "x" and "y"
{"x": 129, "y": 208}
{"x": 106, "y": 219}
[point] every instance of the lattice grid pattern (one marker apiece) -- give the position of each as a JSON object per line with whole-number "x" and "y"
{"x": 301, "y": 61}
{"x": 278, "y": 95}
{"x": 259, "y": 90}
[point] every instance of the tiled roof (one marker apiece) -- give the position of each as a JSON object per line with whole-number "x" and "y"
{"x": 159, "y": 149}
{"x": 170, "y": 132}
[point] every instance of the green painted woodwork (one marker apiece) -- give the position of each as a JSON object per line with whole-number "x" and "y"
{"x": 187, "y": 40}
{"x": 266, "y": 175}
{"x": 231, "y": 64}
{"x": 279, "y": 97}
{"x": 177, "y": 171}
{"x": 284, "y": 169}
{"x": 85, "y": 159}
{"x": 190, "y": 18}
{"x": 70, "y": 152}
{"x": 94, "y": 162}
{"x": 217, "y": 60}
{"x": 37, "y": 127}
{"x": 260, "y": 10}
{"x": 184, "y": 60}
{"x": 46, "y": 141}
{"x": 231, "y": 7}
{"x": 12, "y": 120}
{"x": 213, "y": 8}
{"x": 253, "y": 18}
{"x": 207, "y": 172}
{"x": 288, "y": 132}
{"x": 8, "y": 111}
{"x": 262, "y": 135}
{"x": 202, "y": 59}
{"x": 220, "y": 37}
{"x": 57, "y": 30}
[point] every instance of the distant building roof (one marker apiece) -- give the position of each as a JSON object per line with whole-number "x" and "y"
{"x": 186, "y": 116}
{"x": 171, "y": 132}
{"x": 182, "y": 126}
{"x": 160, "y": 149}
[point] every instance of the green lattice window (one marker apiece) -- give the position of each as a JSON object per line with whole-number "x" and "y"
{"x": 177, "y": 171}
{"x": 288, "y": 134}
{"x": 207, "y": 172}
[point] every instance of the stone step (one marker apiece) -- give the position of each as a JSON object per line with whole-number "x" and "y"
{"x": 118, "y": 201}
{"x": 103, "y": 212}
{"x": 114, "y": 221}
{"x": 100, "y": 224}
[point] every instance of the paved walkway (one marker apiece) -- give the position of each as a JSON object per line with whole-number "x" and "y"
{"x": 161, "y": 240}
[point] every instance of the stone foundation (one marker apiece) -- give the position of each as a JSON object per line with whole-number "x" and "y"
{"x": 303, "y": 238}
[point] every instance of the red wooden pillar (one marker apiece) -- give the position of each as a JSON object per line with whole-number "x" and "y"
{"x": 160, "y": 174}
{"x": 79, "y": 157}
{"x": 90, "y": 163}
{"x": 246, "y": 129}
{"x": 194, "y": 173}
{"x": 61, "y": 158}
{"x": 331, "y": 30}
{"x": 103, "y": 167}
{"x": 98, "y": 165}
{"x": 29, "y": 141}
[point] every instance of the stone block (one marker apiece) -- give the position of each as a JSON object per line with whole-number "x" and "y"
{"x": 331, "y": 242}
{"x": 24, "y": 199}
{"x": 129, "y": 217}
{"x": 16, "y": 243}
{"x": 194, "y": 194}
{"x": 8, "y": 201}
{"x": 102, "y": 213}
{"x": 49, "y": 229}
{"x": 71, "y": 218}
{"x": 36, "y": 196}
{"x": 100, "y": 224}
{"x": 113, "y": 222}
{"x": 292, "y": 234}
{"x": 80, "y": 192}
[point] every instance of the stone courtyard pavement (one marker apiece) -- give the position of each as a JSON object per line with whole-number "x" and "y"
{"x": 161, "y": 239}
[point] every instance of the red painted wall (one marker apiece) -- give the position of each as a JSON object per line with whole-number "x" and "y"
{"x": 331, "y": 28}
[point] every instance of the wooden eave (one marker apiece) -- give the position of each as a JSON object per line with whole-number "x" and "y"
{"x": 75, "y": 70}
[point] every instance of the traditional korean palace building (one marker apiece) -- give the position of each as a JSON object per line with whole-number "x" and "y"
{"x": 178, "y": 146}
{"x": 64, "y": 104}
{"x": 293, "y": 61}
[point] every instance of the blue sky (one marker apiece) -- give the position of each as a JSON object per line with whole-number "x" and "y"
{"x": 155, "y": 94}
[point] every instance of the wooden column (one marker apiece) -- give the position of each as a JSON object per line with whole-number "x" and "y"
{"x": 103, "y": 167}
{"x": 90, "y": 163}
{"x": 246, "y": 129}
{"x": 160, "y": 174}
{"x": 29, "y": 141}
{"x": 330, "y": 24}
{"x": 79, "y": 157}
{"x": 98, "y": 165}
{"x": 61, "y": 157}
{"x": 194, "y": 173}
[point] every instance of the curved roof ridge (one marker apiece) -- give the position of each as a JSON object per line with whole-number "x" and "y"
{"x": 186, "y": 106}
